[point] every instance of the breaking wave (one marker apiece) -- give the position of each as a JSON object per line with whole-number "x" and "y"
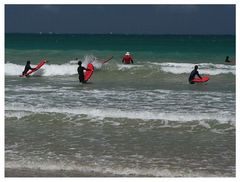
{"x": 70, "y": 68}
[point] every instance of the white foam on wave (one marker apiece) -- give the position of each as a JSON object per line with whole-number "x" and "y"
{"x": 58, "y": 70}
{"x": 13, "y": 69}
{"x": 117, "y": 113}
{"x": 204, "y": 68}
{"x": 47, "y": 70}
{"x": 17, "y": 114}
{"x": 97, "y": 63}
{"x": 123, "y": 67}
{"x": 71, "y": 68}
{"x": 101, "y": 170}
{"x": 88, "y": 59}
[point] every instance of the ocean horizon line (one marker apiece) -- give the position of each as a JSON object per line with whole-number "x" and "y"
{"x": 115, "y": 34}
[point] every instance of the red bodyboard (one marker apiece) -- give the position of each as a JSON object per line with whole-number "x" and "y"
{"x": 42, "y": 62}
{"x": 89, "y": 72}
{"x": 199, "y": 80}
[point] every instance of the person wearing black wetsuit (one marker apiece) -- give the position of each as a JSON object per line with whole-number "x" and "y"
{"x": 27, "y": 68}
{"x": 81, "y": 72}
{"x": 193, "y": 74}
{"x": 227, "y": 59}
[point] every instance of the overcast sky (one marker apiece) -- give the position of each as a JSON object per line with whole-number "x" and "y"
{"x": 123, "y": 19}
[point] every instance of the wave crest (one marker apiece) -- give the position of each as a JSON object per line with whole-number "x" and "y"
{"x": 70, "y": 68}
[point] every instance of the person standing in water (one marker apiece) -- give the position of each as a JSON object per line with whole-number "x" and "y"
{"x": 127, "y": 58}
{"x": 81, "y": 72}
{"x": 193, "y": 74}
{"x": 27, "y": 68}
{"x": 227, "y": 60}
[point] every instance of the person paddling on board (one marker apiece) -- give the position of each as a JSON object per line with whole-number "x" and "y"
{"x": 27, "y": 68}
{"x": 193, "y": 74}
{"x": 127, "y": 58}
{"x": 81, "y": 72}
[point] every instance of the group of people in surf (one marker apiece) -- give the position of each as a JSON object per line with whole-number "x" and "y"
{"x": 127, "y": 59}
{"x": 195, "y": 71}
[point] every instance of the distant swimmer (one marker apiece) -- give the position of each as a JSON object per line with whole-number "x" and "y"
{"x": 193, "y": 74}
{"x": 27, "y": 68}
{"x": 81, "y": 72}
{"x": 127, "y": 58}
{"x": 227, "y": 60}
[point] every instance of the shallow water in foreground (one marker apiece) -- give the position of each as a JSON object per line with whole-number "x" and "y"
{"x": 130, "y": 120}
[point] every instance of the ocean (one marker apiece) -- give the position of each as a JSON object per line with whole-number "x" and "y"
{"x": 138, "y": 120}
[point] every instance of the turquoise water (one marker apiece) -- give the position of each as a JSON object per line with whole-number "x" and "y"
{"x": 60, "y": 48}
{"x": 143, "y": 119}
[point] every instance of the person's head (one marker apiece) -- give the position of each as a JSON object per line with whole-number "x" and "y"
{"x": 79, "y": 63}
{"x": 127, "y": 54}
{"x": 196, "y": 67}
{"x": 28, "y": 62}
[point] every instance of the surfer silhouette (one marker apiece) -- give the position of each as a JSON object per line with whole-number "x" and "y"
{"x": 127, "y": 58}
{"x": 193, "y": 74}
{"x": 227, "y": 59}
{"x": 81, "y": 72}
{"x": 27, "y": 68}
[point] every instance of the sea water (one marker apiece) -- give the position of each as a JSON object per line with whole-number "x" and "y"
{"x": 143, "y": 119}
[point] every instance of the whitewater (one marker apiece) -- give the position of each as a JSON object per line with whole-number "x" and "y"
{"x": 137, "y": 120}
{"x": 127, "y": 117}
{"x": 70, "y": 68}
